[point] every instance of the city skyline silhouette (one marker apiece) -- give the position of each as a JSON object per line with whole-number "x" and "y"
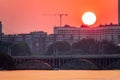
{"x": 26, "y": 16}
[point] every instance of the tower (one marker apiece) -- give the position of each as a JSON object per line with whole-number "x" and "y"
{"x": 118, "y": 11}
{"x": 0, "y": 27}
{"x": 0, "y": 30}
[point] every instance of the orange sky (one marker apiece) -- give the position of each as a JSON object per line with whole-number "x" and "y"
{"x": 24, "y": 16}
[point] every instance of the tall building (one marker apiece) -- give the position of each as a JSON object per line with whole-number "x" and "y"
{"x": 103, "y": 32}
{"x": 0, "y": 30}
{"x": 38, "y": 42}
{"x": 118, "y": 11}
{"x": 0, "y": 27}
{"x": 35, "y": 40}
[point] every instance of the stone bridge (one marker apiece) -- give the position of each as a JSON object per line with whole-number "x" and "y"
{"x": 68, "y": 62}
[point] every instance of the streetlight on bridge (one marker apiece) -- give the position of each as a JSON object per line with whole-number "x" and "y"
{"x": 55, "y": 50}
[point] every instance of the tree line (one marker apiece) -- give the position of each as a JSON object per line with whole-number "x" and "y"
{"x": 84, "y": 46}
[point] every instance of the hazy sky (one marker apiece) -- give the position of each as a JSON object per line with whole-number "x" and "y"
{"x": 24, "y": 16}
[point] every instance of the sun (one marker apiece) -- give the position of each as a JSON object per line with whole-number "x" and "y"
{"x": 88, "y": 18}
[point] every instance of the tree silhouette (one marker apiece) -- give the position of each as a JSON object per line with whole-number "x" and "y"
{"x": 90, "y": 46}
{"x": 20, "y": 49}
{"x": 86, "y": 46}
{"x": 59, "y": 47}
{"x": 6, "y": 62}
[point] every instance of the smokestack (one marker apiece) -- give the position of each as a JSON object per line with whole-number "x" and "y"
{"x": 118, "y": 11}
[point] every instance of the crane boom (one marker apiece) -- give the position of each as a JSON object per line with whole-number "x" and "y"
{"x": 60, "y": 15}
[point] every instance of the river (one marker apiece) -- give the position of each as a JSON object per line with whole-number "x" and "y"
{"x": 60, "y": 75}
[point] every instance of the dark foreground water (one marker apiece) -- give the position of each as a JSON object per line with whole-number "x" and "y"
{"x": 60, "y": 75}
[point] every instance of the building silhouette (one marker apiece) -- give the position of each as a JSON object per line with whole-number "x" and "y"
{"x": 35, "y": 40}
{"x": 0, "y": 27}
{"x": 39, "y": 41}
{"x": 0, "y": 30}
{"x": 72, "y": 34}
{"x": 118, "y": 11}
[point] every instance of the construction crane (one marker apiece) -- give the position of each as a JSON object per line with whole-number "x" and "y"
{"x": 60, "y": 15}
{"x": 61, "y": 18}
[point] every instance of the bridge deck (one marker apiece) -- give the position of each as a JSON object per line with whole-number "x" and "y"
{"x": 69, "y": 56}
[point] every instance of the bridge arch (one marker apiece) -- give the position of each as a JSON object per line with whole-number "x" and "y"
{"x": 114, "y": 65}
{"x": 34, "y": 64}
{"x": 79, "y": 64}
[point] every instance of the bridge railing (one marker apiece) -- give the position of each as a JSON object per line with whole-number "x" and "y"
{"x": 71, "y": 56}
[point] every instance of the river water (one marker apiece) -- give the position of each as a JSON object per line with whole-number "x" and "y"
{"x": 60, "y": 75}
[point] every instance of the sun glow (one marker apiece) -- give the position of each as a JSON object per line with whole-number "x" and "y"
{"x": 89, "y": 18}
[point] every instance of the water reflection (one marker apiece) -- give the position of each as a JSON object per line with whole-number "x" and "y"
{"x": 60, "y": 75}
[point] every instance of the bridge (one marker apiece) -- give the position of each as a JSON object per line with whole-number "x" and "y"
{"x": 68, "y": 62}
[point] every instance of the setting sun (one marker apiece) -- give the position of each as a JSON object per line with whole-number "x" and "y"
{"x": 24, "y": 16}
{"x": 89, "y": 18}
